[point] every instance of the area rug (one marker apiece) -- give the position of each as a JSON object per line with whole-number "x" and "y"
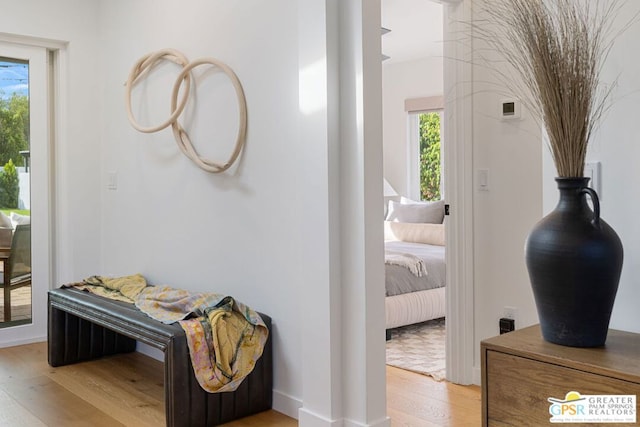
{"x": 419, "y": 348}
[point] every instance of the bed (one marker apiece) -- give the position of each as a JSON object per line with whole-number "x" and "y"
{"x": 415, "y": 271}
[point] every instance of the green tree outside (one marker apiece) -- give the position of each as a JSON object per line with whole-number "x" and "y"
{"x": 9, "y": 186}
{"x": 14, "y": 128}
{"x": 430, "y": 164}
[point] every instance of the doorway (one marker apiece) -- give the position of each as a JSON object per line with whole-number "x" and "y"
{"x": 458, "y": 195}
{"x": 25, "y": 76}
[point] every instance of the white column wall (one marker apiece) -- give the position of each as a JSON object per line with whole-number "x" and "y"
{"x": 321, "y": 307}
{"x": 346, "y": 388}
{"x": 361, "y": 216}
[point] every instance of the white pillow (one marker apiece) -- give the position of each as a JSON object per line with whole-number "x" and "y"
{"x": 431, "y": 234}
{"x": 5, "y": 221}
{"x": 407, "y": 201}
{"x": 429, "y": 212}
{"x": 17, "y": 219}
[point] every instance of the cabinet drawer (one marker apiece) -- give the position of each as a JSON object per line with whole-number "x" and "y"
{"x": 517, "y": 388}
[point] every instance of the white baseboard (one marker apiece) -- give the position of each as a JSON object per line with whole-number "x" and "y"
{"x": 286, "y": 404}
{"x": 385, "y": 422}
{"x": 477, "y": 375}
{"x": 31, "y": 340}
{"x": 307, "y": 418}
{"x": 310, "y": 419}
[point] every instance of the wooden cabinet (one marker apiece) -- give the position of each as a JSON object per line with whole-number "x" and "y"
{"x": 520, "y": 371}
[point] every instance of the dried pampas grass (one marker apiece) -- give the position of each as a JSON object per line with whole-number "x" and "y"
{"x": 556, "y": 50}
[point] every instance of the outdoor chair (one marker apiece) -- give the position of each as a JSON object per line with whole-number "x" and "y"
{"x": 17, "y": 267}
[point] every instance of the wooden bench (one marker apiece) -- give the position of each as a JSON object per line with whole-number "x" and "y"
{"x": 84, "y": 326}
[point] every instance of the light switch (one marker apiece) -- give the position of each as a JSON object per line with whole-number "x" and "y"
{"x": 592, "y": 170}
{"x": 483, "y": 179}
{"x": 112, "y": 180}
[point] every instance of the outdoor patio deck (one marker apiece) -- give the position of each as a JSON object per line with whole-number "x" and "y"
{"x": 20, "y": 305}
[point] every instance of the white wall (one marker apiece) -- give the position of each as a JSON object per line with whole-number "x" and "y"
{"x": 616, "y": 146}
{"x": 522, "y": 188}
{"x": 503, "y": 215}
{"x": 239, "y": 233}
{"x": 401, "y": 81}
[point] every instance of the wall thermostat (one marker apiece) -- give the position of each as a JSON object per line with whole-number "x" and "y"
{"x": 509, "y": 109}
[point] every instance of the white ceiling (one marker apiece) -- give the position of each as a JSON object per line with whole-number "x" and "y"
{"x": 416, "y": 29}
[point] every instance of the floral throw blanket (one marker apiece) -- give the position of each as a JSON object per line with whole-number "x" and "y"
{"x": 225, "y": 337}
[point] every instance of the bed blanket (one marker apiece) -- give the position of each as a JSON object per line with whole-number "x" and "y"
{"x": 225, "y": 337}
{"x": 414, "y": 264}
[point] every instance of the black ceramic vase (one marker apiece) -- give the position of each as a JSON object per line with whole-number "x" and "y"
{"x": 574, "y": 260}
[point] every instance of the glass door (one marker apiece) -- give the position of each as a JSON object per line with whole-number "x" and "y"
{"x": 23, "y": 200}
{"x": 15, "y": 200}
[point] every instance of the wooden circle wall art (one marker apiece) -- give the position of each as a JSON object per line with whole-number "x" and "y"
{"x": 145, "y": 63}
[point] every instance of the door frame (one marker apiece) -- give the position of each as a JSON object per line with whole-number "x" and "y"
{"x": 48, "y": 110}
{"x": 458, "y": 125}
{"x": 458, "y": 178}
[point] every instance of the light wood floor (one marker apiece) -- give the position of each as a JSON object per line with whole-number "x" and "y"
{"x": 415, "y": 400}
{"x": 127, "y": 390}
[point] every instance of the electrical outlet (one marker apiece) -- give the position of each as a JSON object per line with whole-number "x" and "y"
{"x": 506, "y": 325}
{"x": 510, "y": 313}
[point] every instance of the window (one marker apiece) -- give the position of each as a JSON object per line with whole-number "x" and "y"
{"x": 425, "y": 159}
{"x": 430, "y": 152}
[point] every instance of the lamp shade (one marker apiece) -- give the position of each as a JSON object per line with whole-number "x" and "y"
{"x": 388, "y": 191}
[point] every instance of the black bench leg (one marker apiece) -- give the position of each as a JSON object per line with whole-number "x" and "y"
{"x": 72, "y": 339}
